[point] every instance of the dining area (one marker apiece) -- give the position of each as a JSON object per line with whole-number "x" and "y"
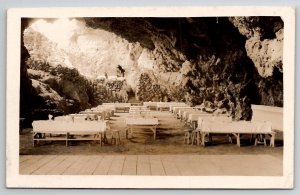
{"x": 94, "y": 125}
{"x": 197, "y": 125}
{"x": 266, "y": 123}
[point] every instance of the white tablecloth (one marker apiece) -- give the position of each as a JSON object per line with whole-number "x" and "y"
{"x": 180, "y": 104}
{"x": 64, "y": 118}
{"x": 118, "y": 105}
{"x": 105, "y": 107}
{"x": 49, "y": 126}
{"x": 141, "y": 121}
{"x": 150, "y": 104}
{"x": 209, "y": 126}
{"x": 193, "y": 117}
{"x": 170, "y": 105}
{"x": 186, "y": 113}
{"x": 182, "y": 110}
{"x": 99, "y": 112}
{"x": 175, "y": 109}
{"x": 140, "y": 114}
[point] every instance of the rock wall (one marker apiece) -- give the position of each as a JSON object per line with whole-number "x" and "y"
{"x": 96, "y": 52}
{"x": 61, "y": 88}
{"x": 264, "y": 46}
{"x": 264, "y": 43}
{"x": 226, "y": 63}
{"x": 31, "y": 104}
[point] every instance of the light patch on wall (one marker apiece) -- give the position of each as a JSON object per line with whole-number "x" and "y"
{"x": 61, "y": 31}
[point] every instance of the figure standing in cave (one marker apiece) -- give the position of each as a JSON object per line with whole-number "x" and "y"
{"x": 247, "y": 111}
{"x": 238, "y": 109}
{"x": 231, "y": 106}
{"x": 120, "y": 71}
{"x": 50, "y": 117}
{"x": 165, "y": 98}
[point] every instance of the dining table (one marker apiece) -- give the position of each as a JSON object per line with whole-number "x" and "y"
{"x": 140, "y": 123}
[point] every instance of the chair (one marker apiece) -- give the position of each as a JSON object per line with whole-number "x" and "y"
{"x": 260, "y": 139}
{"x": 187, "y": 136}
{"x": 196, "y": 136}
{"x": 115, "y": 137}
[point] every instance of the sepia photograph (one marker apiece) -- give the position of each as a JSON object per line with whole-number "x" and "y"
{"x": 173, "y": 92}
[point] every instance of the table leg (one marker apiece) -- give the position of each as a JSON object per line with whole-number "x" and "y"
{"x": 264, "y": 139}
{"x": 194, "y": 124}
{"x": 251, "y": 138}
{"x": 238, "y": 141}
{"x": 129, "y": 130}
{"x": 101, "y": 139}
{"x": 229, "y": 138}
{"x": 198, "y": 138}
{"x": 34, "y": 135}
{"x": 272, "y": 141}
{"x": 126, "y": 132}
{"x": 67, "y": 135}
{"x": 237, "y": 137}
{"x": 104, "y": 138}
{"x": 210, "y": 138}
{"x": 203, "y": 139}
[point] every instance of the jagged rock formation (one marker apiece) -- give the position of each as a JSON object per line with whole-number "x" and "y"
{"x": 98, "y": 52}
{"x": 62, "y": 88}
{"x": 264, "y": 46}
{"x": 264, "y": 43}
{"x": 229, "y": 63}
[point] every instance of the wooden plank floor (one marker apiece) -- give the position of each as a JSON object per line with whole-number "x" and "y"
{"x": 159, "y": 165}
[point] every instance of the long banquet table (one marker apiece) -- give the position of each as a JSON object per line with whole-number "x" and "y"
{"x": 176, "y": 109}
{"x": 192, "y": 118}
{"x": 119, "y": 106}
{"x": 44, "y": 130}
{"x": 102, "y": 113}
{"x": 186, "y": 114}
{"x": 140, "y": 123}
{"x": 236, "y": 128}
{"x": 169, "y": 105}
{"x": 181, "y": 112}
{"x": 150, "y": 104}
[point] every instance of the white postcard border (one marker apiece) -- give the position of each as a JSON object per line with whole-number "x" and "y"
{"x": 13, "y": 178}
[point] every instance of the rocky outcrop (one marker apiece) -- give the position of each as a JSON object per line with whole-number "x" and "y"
{"x": 264, "y": 43}
{"x": 266, "y": 54}
{"x": 107, "y": 52}
{"x": 60, "y": 92}
{"x": 264, "y": 46}
{"x": 226, "y": 63}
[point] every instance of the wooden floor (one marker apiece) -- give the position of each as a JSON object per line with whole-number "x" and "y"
{"x": 160, "y": 165}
